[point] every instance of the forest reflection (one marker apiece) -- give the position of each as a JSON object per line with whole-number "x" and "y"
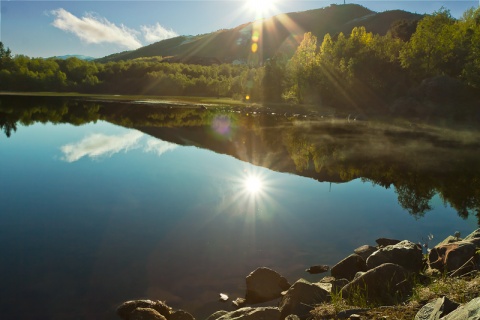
{"x": 419, "y": 161}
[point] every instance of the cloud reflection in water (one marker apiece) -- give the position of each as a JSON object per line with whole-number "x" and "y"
{"x": 101, "y": 145}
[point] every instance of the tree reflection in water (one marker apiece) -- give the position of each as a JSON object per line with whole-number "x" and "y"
{"x": 419, "y": 161}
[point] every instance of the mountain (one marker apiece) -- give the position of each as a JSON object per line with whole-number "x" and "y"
{"x": 278, "y": 34}
{"x": 79, "y": 56}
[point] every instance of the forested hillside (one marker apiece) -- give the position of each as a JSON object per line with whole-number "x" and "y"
{"x": 425, "y": 69}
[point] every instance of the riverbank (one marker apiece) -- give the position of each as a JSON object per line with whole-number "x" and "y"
{"x": 393, "y": 280}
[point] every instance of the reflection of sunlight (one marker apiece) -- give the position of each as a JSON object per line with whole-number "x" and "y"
{"x": 101, "y": 145}
{"x": 253, "y": 184}
{"x": 261, "y": 8}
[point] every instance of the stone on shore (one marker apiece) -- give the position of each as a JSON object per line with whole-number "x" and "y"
{"x": 386, "y": 284}
{"x": 382, "y": 242}
{"x": 436, "y": 309}
{"x": 451, "y": 257}
{"x": 217, "y": 314}
{"x": 469, "y": 311}
{"x": 301, "y": 298}
{"x": 318, "y": 269}
{"x": 348, "y": 267}
{"x": 365, "y": 251}
{"x": 125, "y": 310}
{"x": 248, "y": 313}
{"x": 264, "y": 285}
{"x": 145, "y": 314}
{"x": 405, "y": 253}
{"x": 181, "y": 315}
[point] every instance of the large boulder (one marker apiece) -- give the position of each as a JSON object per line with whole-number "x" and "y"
{"x": 383, "y": 242}
{"x": 348, "y": 267}
{"x": 386, "y": 284}
{"x": 301, "y": 298}
{"x": 405, "y": 253}
{"x": 126, "y": 309}
{"x": 365, "y": 251}
{"x": 453, "y": 256}
{"x": 436, "y": 309}
{"x": 248, "y": 313}
{"x": 264, "y": 284}
{"x": 469, "y": 311}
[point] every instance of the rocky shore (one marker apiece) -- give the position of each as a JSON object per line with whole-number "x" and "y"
{"x": 368, "y": 284}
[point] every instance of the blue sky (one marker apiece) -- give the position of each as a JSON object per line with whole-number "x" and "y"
{"x": 99, "y": 28}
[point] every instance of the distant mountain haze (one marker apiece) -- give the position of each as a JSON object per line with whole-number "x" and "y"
{"x": 267, "y": 37}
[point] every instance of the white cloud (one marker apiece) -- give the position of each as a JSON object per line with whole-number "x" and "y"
{"x": 98, "y": 145}
{"x": 157, "y": 33}
{"x": 96, "y": 30}
{"x": 159, "y": 147}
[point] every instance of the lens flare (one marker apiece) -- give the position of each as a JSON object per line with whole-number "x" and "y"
{"x": 253, "y": 184}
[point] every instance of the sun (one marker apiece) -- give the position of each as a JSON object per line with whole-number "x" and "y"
{"x": 261, "y": 8}
{"x": 253, "y": 184}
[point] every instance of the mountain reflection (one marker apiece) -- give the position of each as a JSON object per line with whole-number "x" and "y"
{"x": 418, "y": 161}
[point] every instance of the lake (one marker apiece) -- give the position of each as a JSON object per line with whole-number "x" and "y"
{"x": 104, "y": 202}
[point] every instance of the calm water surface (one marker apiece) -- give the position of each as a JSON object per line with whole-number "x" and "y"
{"x": 97, "y": 214}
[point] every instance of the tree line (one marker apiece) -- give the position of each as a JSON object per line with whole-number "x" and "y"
{"x": 356, "y": 70}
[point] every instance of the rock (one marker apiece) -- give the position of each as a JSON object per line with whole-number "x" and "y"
{"x": 382, "y": 242}
{"x": 365, "y": 251}
{"x": 264, "y": 284}
{"x": 330, "y": 284}
{"x": 318, "y": 269}
{"x": 436, "y": 309}
{"x": 292, "y": 317}
{"x": 239, "y": 302}
{"x": 449, "y": 239}
{"x": 301, "y": 298}
{"x": 474, "y": 234}
{"x": 145, "y": 314}
{"x": 469, "y": 311}
{"x": 216, "y": 315}
{"x": 348, "y": 267}
{"x": 247, "y": 313}
{"x": 450, "y": 257}
{"x": 125, "y": 309}
{"x": 349, "y": 313}
{"x": 405, "y": 253}
{"x": 181, "y": 315}
{"x": 223, "y": 297}
{"x": 386, "y": 284}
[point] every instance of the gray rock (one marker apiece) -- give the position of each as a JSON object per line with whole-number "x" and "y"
{"x": 331, "y": 284}
{"x": 405, "y": 253}
{"x": 264, "y": 284}
{"x": 125, "y": 309}
{"x": 386, "y": 284}
{"x": 365, "y": 251}
{"x": 301, "y": 298}
{"x": 348, "y": 267}
{"x": 436, "y": 309}
{"x": 451, "y": 257}
{"x": 469, "y": 311}
{"x": 145, "y": 314}
{"x": 318, "y": 269}
{"x": 247, "y": 313}
{"x": 382, "y": 242}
